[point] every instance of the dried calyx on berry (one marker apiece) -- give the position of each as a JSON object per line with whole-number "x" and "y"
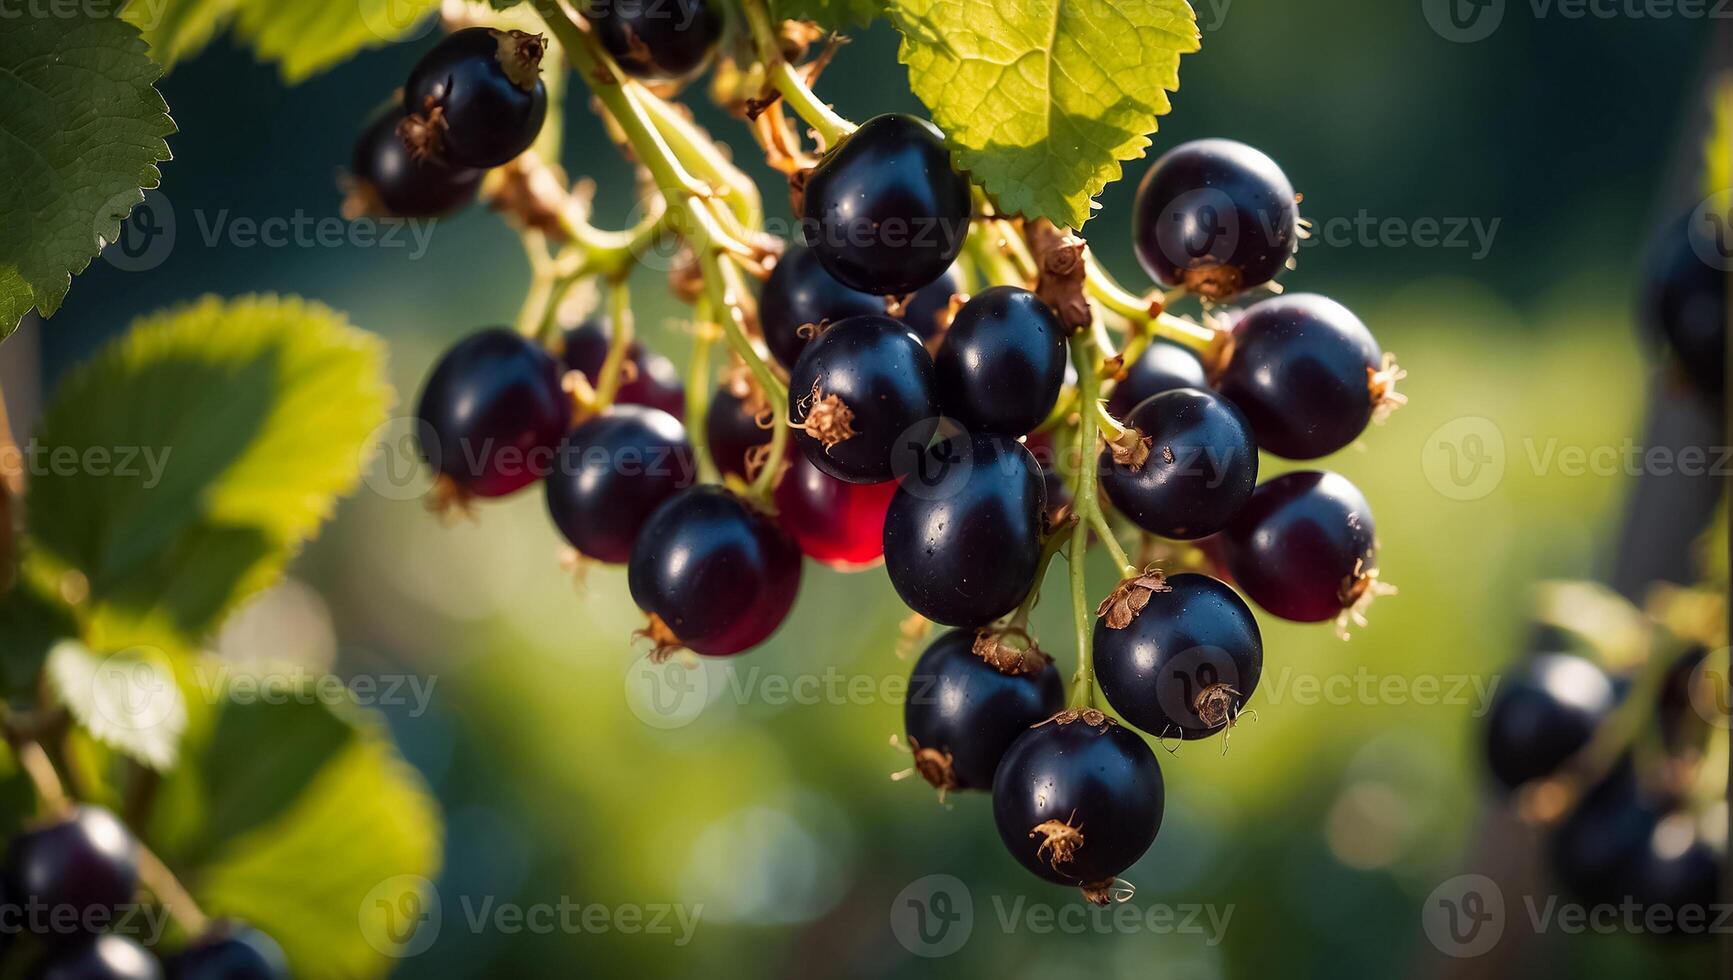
{"x": 476, "y": 99}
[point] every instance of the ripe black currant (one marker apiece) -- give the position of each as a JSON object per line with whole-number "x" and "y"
{"x": 611, "y": 473}
{"x": 733, "y": 432}
{"x": 650, "y": 379}
{"x": 1216, "y": 217}
{"x": 1194, "y": 469}
{"x": 492, "y": 412}
{"x": 390, "y": 181}
{"x": 962, "y": 713}
{"x": 800, "y": 297}
{"x": 864, "y": 384}
{"x": 1687, "y": 303}
{"x": 230, "y": 951}
{"x": 665, "y": 41}
{"x": 1002, "y": 362}
{"x": 928, "y": 314}
{"x": 1679, "y": 869}
{"x": 1078, "y": 799}
{"x": 837, "y": 524}
{"x": 107, "y": 957}
{"x": 1186, "y": 664}
{"x": 82, "y": 868}
{"x": 1595, "y": 849}
{"x": 1163, "y": 367}
{"x": 1304, "y": 547}
{"x": 884, "y": 211}
{"x": 716, "y": 576}
{"x": 1308, "y": 375}
{"x": 963, "y": 535}
{"x": 476, "y": 99}
{"x": 1543, "y": 715}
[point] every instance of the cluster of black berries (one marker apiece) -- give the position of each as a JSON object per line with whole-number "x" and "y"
{"x": 68, "y": 881}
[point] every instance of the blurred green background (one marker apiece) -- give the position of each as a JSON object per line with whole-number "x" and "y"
{"x": 1332, "y": 816}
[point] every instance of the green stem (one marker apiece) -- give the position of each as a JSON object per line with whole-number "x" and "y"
{"x": 1145, "y": 315}
{"x": 620, "y": 321}
{"x": 1104, "y": 531}
{"x": 698, "y": 392}
{"x": 1086, "y": 506}
{"x": 830, "y": 127}
{"x": 1056, "y": 540}
{"x": 701, "y": 155}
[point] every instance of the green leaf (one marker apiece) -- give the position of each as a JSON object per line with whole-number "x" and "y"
{"x": 301, "y": 818}
{"x": 1042, "y": 100}
{"x": 1718, "y": 149}
{"x": 182, "y": 467}
{"x": 128, "y": 701}
{"x": 834, "y": 14}
{"x": 304, "y": 37}
{"x": 81, "y": 132}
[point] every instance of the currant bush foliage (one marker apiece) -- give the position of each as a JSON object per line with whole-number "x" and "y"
{"x": 81, "y": 133}
{"x": 128, "y": 701}
{"x": 304, "y": 37}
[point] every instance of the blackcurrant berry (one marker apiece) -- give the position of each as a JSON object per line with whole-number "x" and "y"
{"x": 663, "y": 41}
{"x": 611, "y": 473}
{"x": 860, "y": 393}
{"x": 1163, "y": 367}
{"x": 962, "y": 713}
{"x": 1216, "y": 217}
{"x": 1077, "y": 800}
{"x": 838, "y": 524}
{"x": 476, "y": 99}
{"x": 231, "y": 951}
{"x": 389, "y": 181}
{"x": 716, "y": 576}
{"x": 1194, "y": 469}
{"x": 884, "y": 211}
{"x": 1679, "y": 869}
{"x": 733, "y": 432}
{"x": 1002, "y": 362}
{"x": 1687, "y": 302}
{"x": 492, "y": 412}
{"x": 928, "y": 314}
{"x": 1186, "y": 663}
{"x": 1544, "y": 715}
{"x": 1595, "y": 850}
{"x": 800, "y": 297}
{"x": 81, "y": 869}
{"x": 1304, "y": 547}
{"x": 963, "y": 535}
{"x": 108, "y": 957}
{"x": 650, "y": 379}
{"x": 1308, "y": 375}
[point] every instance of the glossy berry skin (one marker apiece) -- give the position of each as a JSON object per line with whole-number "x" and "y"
{"x": 837, "y": 524}
{"x": 1302, "y": 370}
{"x": 963, "y": 535}
{"x": 1686, "y": 302}
{"x": 654, "y": 381}
{"x": 1164, "y": 366}
{"x": 927, "y": 313}
{"x": 1595, "y": 851}
{"x": 231, "y": 952}
{"x": 81, "y": 869}
{"x": 611, "y": 473}
{"x": 719, "y": 574}
{"x": 1090, "y": 774}
{"x": 732, "y": 432}
{"x": 1303, "y": 547}
{"x": 477, "y": 98}
{"x": 799, "y": 294}
{"x": 492, "y": 412}
{"x": 666, "y": 40}
{"x": 107, "y": 957}
{"x": 1188, "y": 662}
{"x": 884, "y": 211}
{"x": 1544, "y": 715}
{"x": 877, "y": 371}
{"x": 391, "y": 181}
{"x": 1201, "y": 468}
{"x": 1002, "y": 362}
{"x": 962, "y": 713}
{"x": 1216, "y": 217}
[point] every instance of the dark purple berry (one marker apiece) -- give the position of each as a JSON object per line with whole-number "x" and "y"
{"x": 1304, "y": 547}
{"x": 649, "y": 378}
{"x": 733, "y": 432}
{"x": 1163, "y": 367}
{"x": 1216, "y": 217}
{"x": 492, "y": 412}
{"x": 659, "y": 40}
{"x": 1186, "y": 664}
{"x": 1595, "y": 851}
{"x": 800, "y": 297}
{"x": 1545, "y": 714}
{"x": 230, "y": 951}
{"x": 1194, "y": 471}
{"x": 72, "y": 877}
{"x": 1680, "y": 871}
{"x": 388, "y": 180}
{"x": 962, "y": 713}
{"x": 477, "y": 98}
{"x": 884, "y": 211}
{"x": 838, "y": 524}
{"x": 611, "y": 473}
{"x": 108, "y": 957}
{"x": 928, "y": 314}
{"x": 1002, "y": 362}
{"x": 1687, "y": 298}
{"x": 862, "y": 393}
